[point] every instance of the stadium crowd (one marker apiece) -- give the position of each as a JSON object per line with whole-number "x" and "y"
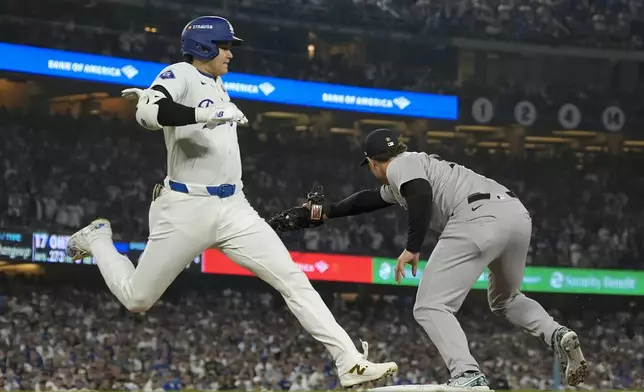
{"x": 615, "y": 23}
{"x": 59, "y": 173}
{"x": 101, "y": 28}
{"x": 227, "y": 339}
{"x": 263, "y": 54}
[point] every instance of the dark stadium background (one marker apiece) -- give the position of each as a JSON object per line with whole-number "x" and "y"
{"x": 70, "y": 150}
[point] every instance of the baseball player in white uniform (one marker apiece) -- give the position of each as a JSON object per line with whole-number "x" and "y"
{"x": 481, "y": 224}
{"x": 201, "y": 203}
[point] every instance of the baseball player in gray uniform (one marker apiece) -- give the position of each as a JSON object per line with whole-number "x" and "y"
{"x": 481, "y": 224}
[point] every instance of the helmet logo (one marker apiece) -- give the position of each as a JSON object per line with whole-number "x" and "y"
{"x": 200, "y": 27}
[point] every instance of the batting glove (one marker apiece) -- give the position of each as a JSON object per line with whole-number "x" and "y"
{"x": 216, "y": 115}
{"x": 132, "y": 93}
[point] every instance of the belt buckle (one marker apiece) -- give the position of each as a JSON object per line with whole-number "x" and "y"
{"x": 226, "y": 190}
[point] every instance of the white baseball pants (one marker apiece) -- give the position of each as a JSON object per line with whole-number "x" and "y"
{"x": 182, "y": 226}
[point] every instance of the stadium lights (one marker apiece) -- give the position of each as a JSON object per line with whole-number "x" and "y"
{"x": 594, "y": 148}
{"x": 493, "y": 144}
{"x": 80, "y": 97}
{"x": 547, "y": 139}
{"x": 383, "y": 123}
{"x": 574, "y": 132}
{"x": 345, "y": 131}
{"x": 26, "y": 268}
{"x": 477, "y": 128}
{"x": 445, "y": 134}
{"x": 277, "y": 114}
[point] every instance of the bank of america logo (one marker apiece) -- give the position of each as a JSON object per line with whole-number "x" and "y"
{"x": 401, "y": 102}
{"x": 130, "y": 71}
{"x": 266, "y": 88}
{"x": 321, "y": 266}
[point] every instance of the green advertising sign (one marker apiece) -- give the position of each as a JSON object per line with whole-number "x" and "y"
{"x": 537, "y": 279}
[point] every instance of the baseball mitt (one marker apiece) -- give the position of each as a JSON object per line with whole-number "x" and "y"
{"x": 307, "y": 216}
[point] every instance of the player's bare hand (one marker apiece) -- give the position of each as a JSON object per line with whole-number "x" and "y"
{"x": 406, "y": 257}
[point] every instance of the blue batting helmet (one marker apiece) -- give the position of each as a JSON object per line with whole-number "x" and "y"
{"x": 199, "y": 38}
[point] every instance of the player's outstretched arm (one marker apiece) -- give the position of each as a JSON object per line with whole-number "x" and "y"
{"x": 361, "y": 202}
{"x": 156, "y": 109}
{"x": 316, "y": 210}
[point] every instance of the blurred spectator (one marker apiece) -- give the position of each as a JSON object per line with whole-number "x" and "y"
{"x": 248, "y": 340}
{"x": 60, "y": 173}
{"x": 586, "y": 23}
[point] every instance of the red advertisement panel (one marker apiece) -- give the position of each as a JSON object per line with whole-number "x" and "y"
{"x": 317, "y": 266}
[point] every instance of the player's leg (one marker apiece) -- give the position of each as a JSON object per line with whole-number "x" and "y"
{"x": 250, "y": 242}
{"x": 506, "y": 300}
{"x": 170, "y": 247}
{"x": 454, "y": 266}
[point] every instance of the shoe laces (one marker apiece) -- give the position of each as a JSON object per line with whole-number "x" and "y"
{"x": 365, "y": 349}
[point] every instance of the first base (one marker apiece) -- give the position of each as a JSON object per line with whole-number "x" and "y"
{"x": 420, "y": 388}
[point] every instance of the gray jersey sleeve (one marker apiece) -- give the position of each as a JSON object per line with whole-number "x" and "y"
{"x": 405, "y": 168}
{"x": 387, "y": 194}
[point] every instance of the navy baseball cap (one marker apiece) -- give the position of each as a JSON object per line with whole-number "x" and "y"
{"x": 380, "y": 141}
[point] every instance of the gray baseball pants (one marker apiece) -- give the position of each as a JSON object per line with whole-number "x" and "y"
{"x": 492, "y": 233}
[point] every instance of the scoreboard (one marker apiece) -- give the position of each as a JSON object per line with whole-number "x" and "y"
{"x": 49, "y": 248}
{"x": 15, "y": 246}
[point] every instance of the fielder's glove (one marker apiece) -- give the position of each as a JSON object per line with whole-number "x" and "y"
{"x": 308, "y": 216}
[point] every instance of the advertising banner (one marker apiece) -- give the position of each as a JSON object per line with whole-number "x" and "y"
{"x": 129, "y": 72}
{"x": 317, "y": 266}
{"x": 49, "y": 248}
{"x": 15, "y": 246}
{"x": 536, "y": 279}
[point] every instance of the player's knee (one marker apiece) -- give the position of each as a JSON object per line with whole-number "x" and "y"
{"x": 420, "y": 313}
{"x": 138, "y": 307}
{"x": 499, "y": 306}
{"x": 424, "y": 311}
{"x": 139, "y": 304}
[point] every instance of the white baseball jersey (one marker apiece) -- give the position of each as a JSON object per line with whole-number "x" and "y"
{"x": 197, "y": 154}
{"x": 451, "y": 183}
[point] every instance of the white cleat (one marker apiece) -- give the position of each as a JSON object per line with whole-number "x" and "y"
{"x": 365, "y": 371}
{"x": 78, "y": 245}
{"x": 568, "y": 350}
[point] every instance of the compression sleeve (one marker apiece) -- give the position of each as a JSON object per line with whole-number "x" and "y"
{"x": 361, "y": 202}
{"x": 172, "y": 114}
{"x": 418, "y": 194}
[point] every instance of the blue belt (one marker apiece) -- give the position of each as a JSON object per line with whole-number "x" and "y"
{"x": 222, "y": 191}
